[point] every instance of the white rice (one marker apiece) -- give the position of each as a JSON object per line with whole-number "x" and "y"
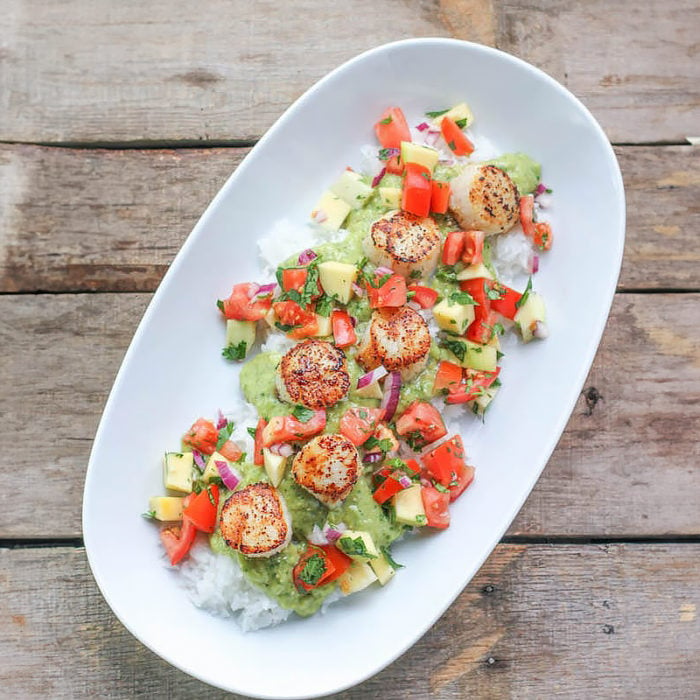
{"x": 214, "y": 582}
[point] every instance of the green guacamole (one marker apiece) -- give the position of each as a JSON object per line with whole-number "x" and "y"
{"x": 523, "y": 170}
{"x": 359, "y": 511}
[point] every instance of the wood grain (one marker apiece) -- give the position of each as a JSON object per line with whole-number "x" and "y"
{"x": 628, "y": 468}
{"x": 112, "y": 220}
{"x": 537, "y": 621}
{"x": 84, "y": 71}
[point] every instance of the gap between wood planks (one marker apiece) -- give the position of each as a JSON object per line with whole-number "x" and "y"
{"x": 558, "y": 540}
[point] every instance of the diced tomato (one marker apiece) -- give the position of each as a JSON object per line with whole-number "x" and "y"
{"x": 446, "y": 461}
{"x": 203, "y": 509}
{"x": 243, "y": 305}
{"x": 421, "y": 423}
{"x": 481, "y": 328}
{"x": 412, "y": 467}
{"x": 503, "y": 299}
{"x": 343, "y": 330}
{"x": 359, "y": 423}
{"x": 258, "y": 458}
{"x": 417, "y": 190}
{"x": 311, "y": 569}
{"x": 302, "y": 322}
{"x": 202, "y": 436}
{"x": 472, "y": 386}
{"x": 289, "y": 429}
{"x": 527, "y": 215}
{"x": 425, "y": 297}
{"x": 178, "y": 539}
{"x": 455, "y": 138}
{"x": 391, "y": 128}
{"x": 231, "y": 451}
{"x": 339, "y": 561}
{"x": 463, "y": 481}
{"x": 388, "y": 488}
{"x": 294, "y": 278}
{"x": 391, "y": 293}
{"x": 473, "y": 247}
{"x": 453, "y": 248}
{"x": 543, "y": 235}
{"x": 437, "y": 507}
{"x": 448, "y": 378}
{"x": 394, "y": 166}
{"x": 439, "y": 196}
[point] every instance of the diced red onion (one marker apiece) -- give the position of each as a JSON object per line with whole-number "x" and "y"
{"x": 333, "y": 532}
{"x": 199, "y": 460}
{"x": 540, "y": 189}
{"x": 320, "y": 216}
{"x": 306, "y": 257}
{"x": 425, "y": 481}
{"x": 534, "y": 264}
{"x": 390, "y": 400}
{"x": 266, "y": 289}
{"x": 437, "y": 443}
{"x": 405, "y": 481}
{"x": 541, "y": 331}
{"x": 423, "y": 126}
{"x": 317, "y": 536}
{"x": 357, "y": 289}
{"x": 229, "y": 476}
{"x": 372, "y": 457}
{"x": 221, "y": 422}
{"x": 431, "y": 138}
{"x": 390, "y": 152}
{"x": 373, "y": 375}
{"x": 384, "y": 271}
{"x": 254, "y": 288}
{"x": 378, "y": 177}
{"x": 353, "y": 320}
{"x": 283, "y": 449}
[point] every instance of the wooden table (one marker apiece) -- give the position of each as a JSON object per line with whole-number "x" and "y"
{"x": 118, "y": 123}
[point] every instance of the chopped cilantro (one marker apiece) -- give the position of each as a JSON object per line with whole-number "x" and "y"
{"x": 421, "y": 519}
{"x": 439, "y": 113}
{"x": 314, "y": 569}
{"x": 235, "y": 352}
{"x": 355, "y": 547}
{"x": 388, "y": 120}
{"x": 456, "y": 347}
{"x": 252, "y": 432}
{"x": 447, "y": 273}
{"x": 220, "y": 304}
{"x": 303, "y": 414}
{"x": 387, "y": 555}
{"x": 384, "y": 445}
{"x": 415, "y": 274}
{"x": 324, "y": 306}
{"x": 224, "y": 434}
{"x": 525, "y": 295}
{"x": 439, "y": 487}
{"x": 494, "y": 293}
{"x": 452, "y": 145}
{"x": 461, "y": 298}
{"x": 461, "y": 123}
{"x": 386, "y": 153}
{"x": 285, "y": 327}
{"x": 149, "y": 515}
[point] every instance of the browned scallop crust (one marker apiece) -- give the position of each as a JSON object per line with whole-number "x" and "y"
{"x": 399, "y": 339}
{"x": 485, "y": 198}
{"x": 327, "y": 467}
{"x": 404, "y": 242}
{"x": 255, "y": 521}
{"x": 313, "y": 373}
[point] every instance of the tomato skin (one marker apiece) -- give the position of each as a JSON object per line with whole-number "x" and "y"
{"x": 335, "y": 561}
{"x": 440, "y": 196}
{"x": 394, "y": 166}
{"x": 388, "y": 488}
{"x": 343, "y": 330}
{"x": 294, "y": 278}
{"x": 202, "y": 436}
{"x": 448, "y": 378}
{"x": 258, "y": 458}
{"x": 289, "y": 429}
{"x": 453, "y": 248}
{"x": 242, "y": 305}
{"x": 506, "y": 303}
{"x": 446, "y": 461}
{"x": 290, "y": 313}
{"x": 177, "y": 539}
{"x": 392, "y": 293}
{"x": 423, "y": 422}
{"x": 358, "y": 424}
{"x": 391, "y": 134}
{"x": 473, "y": 247}
{"x": 527, "y": 215}
{"x": 455, "y": 138}
{"x": 437, "y": 507}
{"x": 463, "y": 481}
{"x": 417, "y": 190}
{"x": 481, "y": 328}
{"x": 425, "y": 297}
{"x": 201, "y": 511}
{"x": 339, "y": 560}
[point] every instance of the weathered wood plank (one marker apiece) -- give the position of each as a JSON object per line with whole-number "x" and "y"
{"x": 629, "y": 468}
{"x": 112, "y": 220}
{"x": 536, "y": 621}
{"x": 87, "y": 71}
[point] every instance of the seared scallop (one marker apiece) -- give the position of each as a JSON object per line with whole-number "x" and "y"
{"x": 484, "y": 198}
{"x": 255, "y": 521}
{"x": 399, "y": 339}
{"x": 408, "y": 244}
{"x": 314, "y": 374}
{"x": 327, "y": 467}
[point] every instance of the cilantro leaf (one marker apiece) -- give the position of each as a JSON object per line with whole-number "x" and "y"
{"x": 461, "y": 298}
{"x": 303, "y": 414}
{"x": 456, "y": 347}
{"x": 525, "y": 295}
{"x": 461, "y": 123}
{"x": 252, "y": 432}
{"x": 387, "y": 555}
{"x": 314, "y": 569}
{"x": 220, "y": 305}
{"x": 388, "y": 120}
{"x": 355, "y": 547}
{"x": 447, "y": 273}
{"x": 235, "y": 352}
{"x": 224, "y": 434}
{"x": 439, "y": 113}
{"x": 324, "y": 305}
